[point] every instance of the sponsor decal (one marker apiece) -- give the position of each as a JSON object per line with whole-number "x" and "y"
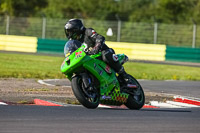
{"x": 67, "y": 59}
{"x": 63, "y": 64}
{"x": 132, "y": 86}
{"x": 106, "y": 97}
{"x": 93, "y": 33}
{"x": 121, "y": 99}
{"x": 98, "y": 69}
{"x": 78, "y": 56}
{"x": 108, "y": 69}
{"x": 77, "y": 53}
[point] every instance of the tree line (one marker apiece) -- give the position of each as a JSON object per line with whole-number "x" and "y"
{"x": 162, "y": 11}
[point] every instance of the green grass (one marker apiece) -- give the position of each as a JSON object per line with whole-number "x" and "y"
{"x": 162, "y": 72}
{"x": 30, "y": 66}
{"x": 44, "y": 67}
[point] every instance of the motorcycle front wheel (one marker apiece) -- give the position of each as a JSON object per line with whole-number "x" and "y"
{"x": 137, "y": 100}
{"x": 89, "y": 99}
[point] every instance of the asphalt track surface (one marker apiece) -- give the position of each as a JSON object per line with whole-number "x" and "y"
{"x": 77, "y": 119}
{"x": 184, "y": 88}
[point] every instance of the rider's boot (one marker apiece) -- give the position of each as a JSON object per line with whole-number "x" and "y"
{"x": 115, "y": 64}
{"x": 123, "y": 75}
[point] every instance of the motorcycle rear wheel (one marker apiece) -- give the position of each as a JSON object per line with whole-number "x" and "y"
{"x": 137, "y": 100}
{"x": 82, "y": 97}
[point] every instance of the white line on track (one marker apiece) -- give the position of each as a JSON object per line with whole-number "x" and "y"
{"x": 2, "y": 103}
{"x": 44, "y": 82}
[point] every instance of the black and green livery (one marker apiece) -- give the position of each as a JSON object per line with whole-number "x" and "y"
{"x": 94, "y": 82}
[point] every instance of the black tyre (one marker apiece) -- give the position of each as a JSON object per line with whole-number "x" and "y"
{"x": 137, "y": 100}
{"x": 83, "y": 96}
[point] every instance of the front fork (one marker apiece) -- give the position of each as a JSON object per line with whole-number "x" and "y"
{"x": 88, "y": 87}
{"x": 86, "y": 80}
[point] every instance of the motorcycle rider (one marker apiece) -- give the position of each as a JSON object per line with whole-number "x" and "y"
{"x": 75, "y": 30}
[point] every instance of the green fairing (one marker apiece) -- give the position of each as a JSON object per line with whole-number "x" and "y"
{"x": 109, "y": 85}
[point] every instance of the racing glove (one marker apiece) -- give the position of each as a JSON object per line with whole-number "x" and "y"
{"x": 96, "y": 49}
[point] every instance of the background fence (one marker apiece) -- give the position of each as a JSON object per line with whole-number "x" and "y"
{"x": 135, "y": 51}
{"x": 152, "y": 33}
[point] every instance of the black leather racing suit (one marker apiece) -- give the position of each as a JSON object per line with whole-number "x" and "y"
{"x": 97, "y": 43}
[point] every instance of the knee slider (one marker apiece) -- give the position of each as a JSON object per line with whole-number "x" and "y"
{"x": 115, "y": 57}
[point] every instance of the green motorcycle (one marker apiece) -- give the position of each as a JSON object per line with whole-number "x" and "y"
{"x": 94, "y": 82}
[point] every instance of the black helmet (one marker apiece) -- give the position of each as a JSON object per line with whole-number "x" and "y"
{"x": 73, "y": 29}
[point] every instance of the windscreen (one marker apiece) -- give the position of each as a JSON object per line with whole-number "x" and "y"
{"x": 71, "y": 46}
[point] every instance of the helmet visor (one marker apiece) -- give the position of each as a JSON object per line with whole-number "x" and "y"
{"x": 71, "y": 34}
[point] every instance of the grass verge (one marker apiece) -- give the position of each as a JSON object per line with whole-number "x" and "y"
{"x": 44, "y": 67}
